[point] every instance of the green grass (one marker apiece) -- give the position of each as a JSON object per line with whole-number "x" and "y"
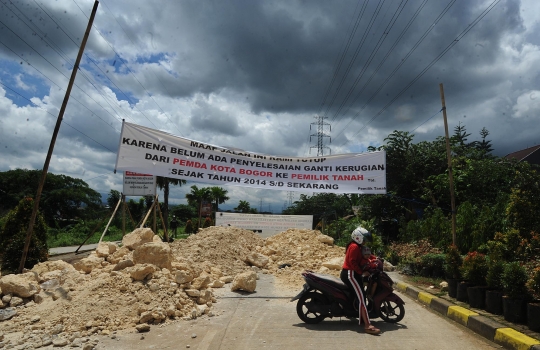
{"x": 425, "y": 281}
{"x": 65, "y": 239}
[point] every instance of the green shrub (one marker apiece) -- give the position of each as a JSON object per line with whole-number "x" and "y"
{"x": 13, "y": 237}
{"x": 534, "y": 283}
{"x": 475, "y": 268}
{"x": 453, "y": 262}
{"x": 494, "y": 274}
{"x": 514, "y": 279}
{"x": 432, "y": 265}
{"x": 392, "y": 257}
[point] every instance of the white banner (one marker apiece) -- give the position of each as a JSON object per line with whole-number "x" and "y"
{"x": 266, "y": 223}
{"x": 155, "y": 152}
{"x": 136, "y": 184}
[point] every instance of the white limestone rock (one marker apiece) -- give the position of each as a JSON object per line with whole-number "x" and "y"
{"x": 246, "y": 281}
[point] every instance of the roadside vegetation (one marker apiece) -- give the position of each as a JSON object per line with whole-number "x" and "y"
{"x": 496, "y": 200}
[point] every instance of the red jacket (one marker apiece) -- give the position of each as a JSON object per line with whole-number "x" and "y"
{"x": 353, "y": 258}
{"x": 371, "y": 264}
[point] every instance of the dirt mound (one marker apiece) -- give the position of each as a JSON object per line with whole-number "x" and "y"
{"x": 107, "y": 291}
{"x": 293, "y": 251}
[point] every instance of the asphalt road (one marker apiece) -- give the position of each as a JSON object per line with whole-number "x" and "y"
{"x": 267, "y": 320}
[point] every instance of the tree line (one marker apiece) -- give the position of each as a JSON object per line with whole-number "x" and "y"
{"x": 496, "y": 198}
{"x": 492, "y": 194}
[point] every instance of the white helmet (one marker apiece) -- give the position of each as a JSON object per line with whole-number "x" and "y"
{"x": 359, "y": 233}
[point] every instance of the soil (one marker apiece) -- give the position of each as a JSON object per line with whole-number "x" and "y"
{"x": 106, "y": 301}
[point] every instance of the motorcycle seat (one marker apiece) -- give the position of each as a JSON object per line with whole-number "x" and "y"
{"x": 336, "y": 282}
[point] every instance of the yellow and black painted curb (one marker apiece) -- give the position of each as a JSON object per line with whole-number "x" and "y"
{"x": 492, "y": 330}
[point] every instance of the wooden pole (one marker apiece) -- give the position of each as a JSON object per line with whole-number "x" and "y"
{"x": 110, "y": 220}
{"x": 53, "y": 139}
{"x": 123, "y": 215}
{"x": 450, "y": 172}
{"x": 165, "y": 234}
{"x": 131, "y": 217}
{"x": 154, "y": 224}
{"x": 148, "y": 214}
{"x": 90, "y": 235}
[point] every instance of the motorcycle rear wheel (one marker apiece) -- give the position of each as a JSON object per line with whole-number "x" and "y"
{"x": 303, "y": 311}
{"x": 392, "y": 312}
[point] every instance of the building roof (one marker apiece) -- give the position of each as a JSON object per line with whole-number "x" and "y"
{"x": 530, "y": 155}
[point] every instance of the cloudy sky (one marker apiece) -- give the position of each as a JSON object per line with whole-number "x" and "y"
{"x": 255, "y": 75}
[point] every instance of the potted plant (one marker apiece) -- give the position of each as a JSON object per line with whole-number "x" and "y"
{"x": 514, "y": 280}
{"x": 474, "y": 270}
{"x": 533, "y": 308}
{"x": 494, "y": 294}
{"x": 452, "y": 269}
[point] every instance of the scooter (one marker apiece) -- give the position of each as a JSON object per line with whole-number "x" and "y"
{"x": 327, "y": 296}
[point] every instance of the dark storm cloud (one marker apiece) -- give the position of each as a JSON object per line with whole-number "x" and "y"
{"x": 207, "y": 118}
{"x": 252, "y": 74}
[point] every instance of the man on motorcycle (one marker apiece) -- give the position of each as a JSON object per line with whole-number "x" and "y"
{"x": 352, "y": 271}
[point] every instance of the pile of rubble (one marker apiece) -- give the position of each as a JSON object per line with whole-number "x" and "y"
{"x": 146, "y": 281}
{"x": 293, "y": 251}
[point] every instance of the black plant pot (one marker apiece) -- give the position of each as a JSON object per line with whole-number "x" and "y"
{"x": 494, "y": 301}
{"x": 533, "y": 316}
{"x": 452, "y": 287}
{"x": 514, "y": 310}
{"x": 477, "y": 296}
{"x": 462, "y": 291}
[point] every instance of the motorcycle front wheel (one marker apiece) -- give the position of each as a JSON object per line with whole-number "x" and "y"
{"x": 392, "y": 312}
{"x": 305, "y": 302}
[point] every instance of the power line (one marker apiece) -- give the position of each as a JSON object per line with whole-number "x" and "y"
{"x": 382, "y": 38}
{"x": 425, "y": 121}
{"x": 355, "y": 55}
{"x": 435, "y": 60}
{"x": 337, "y": 66}
{"x": 415, "y": 46}
{"x": 60, "y": 54}
{"x": 134, "y": 76}
{"x": 66, "y": 58}
{"x": 31, "y": 65}
{"x": 406, "y": 28}
{"x": 159, "y": 63}
{"x": 63, "y": 121}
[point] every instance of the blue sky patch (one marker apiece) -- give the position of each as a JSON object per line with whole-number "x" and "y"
{"x": 17, "y": 82}
{"x": 153, "y": 58}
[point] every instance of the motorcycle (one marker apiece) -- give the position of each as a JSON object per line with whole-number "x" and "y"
{"x": 327, "y": 296}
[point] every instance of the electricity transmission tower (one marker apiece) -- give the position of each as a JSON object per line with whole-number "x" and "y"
{"x": 321, "y": 134}
{"x": 290, "y": 197}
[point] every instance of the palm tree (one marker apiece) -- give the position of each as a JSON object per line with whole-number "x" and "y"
{"x": 219, "y": 196}
{"x": 163, "y": 184}
{"x": 196, "y": 197}
{"x": 244, "y": 207}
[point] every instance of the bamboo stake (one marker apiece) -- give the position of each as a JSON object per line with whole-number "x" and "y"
{"x": 110, "y": 220}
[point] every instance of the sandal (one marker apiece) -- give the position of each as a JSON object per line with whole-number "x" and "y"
{"x": 372, "y": 330}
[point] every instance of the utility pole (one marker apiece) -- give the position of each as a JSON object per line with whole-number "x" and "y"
{"x": 321, "y": 134}
{"x": 53, "y": 139}
{"x": 450, "y": 172}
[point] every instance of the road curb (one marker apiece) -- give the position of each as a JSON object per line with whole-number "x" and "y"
{"x": 492, "y": 330}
